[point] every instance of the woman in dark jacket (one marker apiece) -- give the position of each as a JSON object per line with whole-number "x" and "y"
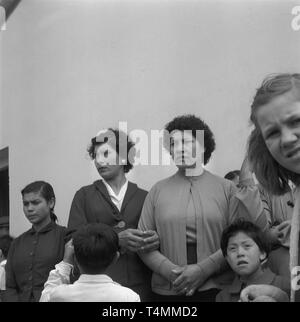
{"x": 115, "y": 201}
{"x": 34, "y": 253}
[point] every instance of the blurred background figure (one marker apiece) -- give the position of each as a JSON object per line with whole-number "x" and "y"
{"x": 5, "y": 242}
{"x": 233, "y": 176}
{"x": 117, "y": 202}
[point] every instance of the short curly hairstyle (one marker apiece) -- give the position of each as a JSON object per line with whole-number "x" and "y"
{"x": 270, "y": 174}
{"x": 120, "y": 138}
{"x": 189, "y": 122}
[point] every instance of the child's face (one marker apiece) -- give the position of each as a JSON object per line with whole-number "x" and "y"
{"x": 243, "y": 254}
{"x": 279, "y": 121}
{"x": 36, "y": 208}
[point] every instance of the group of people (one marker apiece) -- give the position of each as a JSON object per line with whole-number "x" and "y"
{"x": 194, "y": 237}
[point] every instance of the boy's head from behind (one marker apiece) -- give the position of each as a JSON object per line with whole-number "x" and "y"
{"x": 5, "y": 242}
{"x": 244, "y": 247}
{"x": 95, "y": 248}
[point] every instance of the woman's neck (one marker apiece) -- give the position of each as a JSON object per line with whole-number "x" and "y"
{"x": 117, "y": 183}
{"x": 192, "y": 172}
{"x": 39, "y": 226}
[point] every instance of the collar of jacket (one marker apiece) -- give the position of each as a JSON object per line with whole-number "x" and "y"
{"x": 130, "y": 192}
{"x": 47, "y": 228}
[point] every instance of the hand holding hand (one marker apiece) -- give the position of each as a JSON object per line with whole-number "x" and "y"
{"x": 273, "y": 235}
{"x": 285, "y": 225}
{"x": 151, "y": 241}
{"x": 190, "y": 278}
{"x": 131, "y": 239}
{"x": 175, "y": 273}
{"x": 277, "y": 232}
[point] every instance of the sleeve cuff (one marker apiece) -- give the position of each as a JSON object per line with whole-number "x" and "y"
{"x": 213, "y": 264}
{"x": 64, "y": 268}
{"x": 165, "y": 268}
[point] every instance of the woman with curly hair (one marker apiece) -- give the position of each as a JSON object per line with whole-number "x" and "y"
{"x": 189, "y": 211}
{"x": 115, "y": 201}
{"x": 274, "y": 155}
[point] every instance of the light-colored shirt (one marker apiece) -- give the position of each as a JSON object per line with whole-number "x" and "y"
{"x": 2, "y": 275}
{"x": 165, "y": 211}
{"x": 117, "y": 199}
{"x": 88, "y": 288}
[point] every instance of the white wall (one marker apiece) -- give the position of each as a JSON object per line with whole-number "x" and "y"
{"x": 70, "y": 68}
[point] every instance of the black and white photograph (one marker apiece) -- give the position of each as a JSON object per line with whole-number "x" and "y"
{"x": 149, "y": 152}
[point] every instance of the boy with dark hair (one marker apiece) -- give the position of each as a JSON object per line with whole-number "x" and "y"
{"x": 5, "y": 242}
{"x": 94, "y": 248}
{"x": 246, "y": 250}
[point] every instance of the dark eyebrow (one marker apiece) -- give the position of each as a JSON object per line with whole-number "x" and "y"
{"x": 34, "y": 200}
{"x": 292, "y": 117}
{"x": 269, "y": 130}
{"x": 248, "y": 241}
{"x": 232, "y": 244}
{"x": 244, "y": 241}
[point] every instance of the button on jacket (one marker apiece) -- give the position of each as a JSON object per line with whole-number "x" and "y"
{"x": 31, "y": 257}
{"x": 92, "y": 204}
